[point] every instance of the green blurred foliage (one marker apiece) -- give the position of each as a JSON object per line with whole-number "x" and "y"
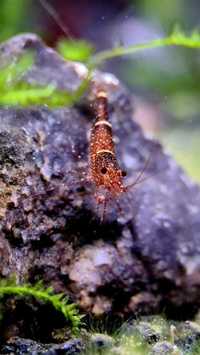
{"x": 12, "y": 71}
{"x": 13, "y": 14}
{"x": 79, "y": 51}
{"x": 170, "y": 77}
{"x": 163, "y": 12}
{"x": 183, "y": 144}
{"x": 14, "y": 90}
{"x": 168, "y": 71}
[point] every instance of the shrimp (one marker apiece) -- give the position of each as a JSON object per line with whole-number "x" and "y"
{"x": 105, "y": 171}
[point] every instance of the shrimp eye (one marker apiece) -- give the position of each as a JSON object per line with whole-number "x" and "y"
{"x": 124, "y": 173}
{"x": 104, "y": 171}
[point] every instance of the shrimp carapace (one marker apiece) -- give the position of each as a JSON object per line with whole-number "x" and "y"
{"x": 104, "y": 168}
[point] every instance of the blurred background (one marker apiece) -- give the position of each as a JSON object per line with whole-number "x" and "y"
{"x": 165, "y": 82}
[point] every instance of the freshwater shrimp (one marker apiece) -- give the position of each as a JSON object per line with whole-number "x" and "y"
{"x": 104, "y": 170}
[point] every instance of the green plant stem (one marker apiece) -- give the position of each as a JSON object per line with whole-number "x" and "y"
{"x": 173, "y": 40}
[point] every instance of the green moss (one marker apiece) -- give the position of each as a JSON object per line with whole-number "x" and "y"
{"x": 59, "y": 301}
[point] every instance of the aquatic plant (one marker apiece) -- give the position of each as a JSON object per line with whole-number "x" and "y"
{"x": 59, "y": 301}
{"x": 176, "y": 38}
{"x": 78, "y": 50}
{"x": 15, "y": 91}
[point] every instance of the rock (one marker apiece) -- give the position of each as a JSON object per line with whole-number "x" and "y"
{"x": 188, "y": 336}
{"x": 100, "y": 341}
{"x": 23, "y": 346}
{"x": 20, "y": 346}
{"x": 71, "y": 347}
{"x": 165, "y": 348}
{"x": 144, "y": 258}
{"x": 148, "y": 329}
{"x": 147, "y": 332}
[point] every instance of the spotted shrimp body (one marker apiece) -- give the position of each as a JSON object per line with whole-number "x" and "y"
{"x": 104, "y": 169}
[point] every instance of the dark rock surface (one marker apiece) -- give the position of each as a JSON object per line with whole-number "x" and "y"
{"x": 20, "y": 346}
{"x": 145, "y": 257}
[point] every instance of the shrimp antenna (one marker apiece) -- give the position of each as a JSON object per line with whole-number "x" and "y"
{"x": 52, "y": 12}
{"x": 139, "y": 179}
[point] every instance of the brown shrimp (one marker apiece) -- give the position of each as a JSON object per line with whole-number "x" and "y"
{"x": 105, "y": 171}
